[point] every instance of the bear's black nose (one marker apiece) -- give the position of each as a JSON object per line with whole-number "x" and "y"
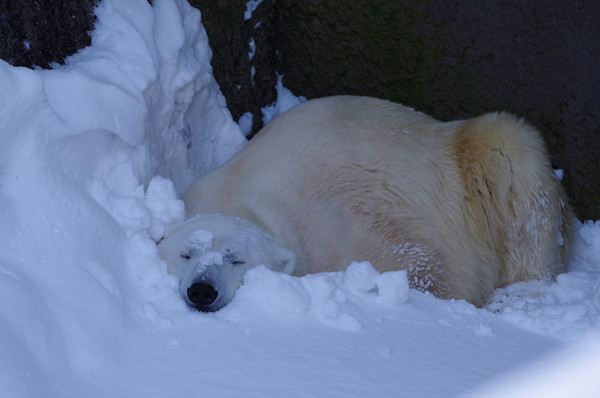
{"x": 202, "y": 295}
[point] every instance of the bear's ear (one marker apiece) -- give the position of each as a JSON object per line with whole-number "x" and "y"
{"x": 286, "y": 261}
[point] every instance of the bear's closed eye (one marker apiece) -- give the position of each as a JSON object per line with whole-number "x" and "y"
{"x": 232, "y": 258}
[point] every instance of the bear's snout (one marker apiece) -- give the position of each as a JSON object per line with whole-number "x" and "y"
{"x": 201, "y": 296}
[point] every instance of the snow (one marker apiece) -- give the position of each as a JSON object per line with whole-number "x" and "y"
{"x": 252, "y": 52}
{"x": 93, "y": 158}
{"x": 559, "y": 174}
{"x": 245, "y": 123}
{"x": 285, "y": 100}
{"x": 331, "y": 299}
{"x": 567, "y": 308}
{"x": 251, "y": 6}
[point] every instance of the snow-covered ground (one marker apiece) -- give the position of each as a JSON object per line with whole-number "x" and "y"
{"x": 88, "y": 309}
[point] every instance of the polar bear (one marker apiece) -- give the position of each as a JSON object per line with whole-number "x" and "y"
{"x": 463, "y": 206}
{"x": 210, "y": 253}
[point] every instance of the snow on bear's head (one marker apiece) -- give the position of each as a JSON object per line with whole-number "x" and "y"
{"x": 211, "y": 253}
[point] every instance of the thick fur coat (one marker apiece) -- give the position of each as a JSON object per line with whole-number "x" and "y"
{"x": 464, "y": 206}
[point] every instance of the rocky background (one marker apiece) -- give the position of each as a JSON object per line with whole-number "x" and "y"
{"x": 450, "y": 59}
{"x": 44, "y": 32}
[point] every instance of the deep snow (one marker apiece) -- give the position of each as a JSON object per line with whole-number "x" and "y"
{"x": 93, "y": 156}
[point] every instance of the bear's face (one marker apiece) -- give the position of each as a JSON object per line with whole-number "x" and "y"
{"x": 211, "y": 253}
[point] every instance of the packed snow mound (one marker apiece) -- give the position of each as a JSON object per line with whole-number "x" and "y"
{"x": 330, "y": 298}
{"x": 79, "y": 209}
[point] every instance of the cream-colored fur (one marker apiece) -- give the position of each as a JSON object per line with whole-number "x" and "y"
{"x": 464, "y": 206}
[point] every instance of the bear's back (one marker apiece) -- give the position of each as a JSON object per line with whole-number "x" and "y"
{"x": 344, "y": 179}
{"x": 358, "y": 170}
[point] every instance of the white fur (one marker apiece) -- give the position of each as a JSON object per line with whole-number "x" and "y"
{"x": 218, "y": 250}
{"x": 464, "y": 206}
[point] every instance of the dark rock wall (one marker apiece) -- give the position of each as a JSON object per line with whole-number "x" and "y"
{"x": 451, "y": 59}
{"x": 41, "y": 32}
{"x": 230, "y": 35}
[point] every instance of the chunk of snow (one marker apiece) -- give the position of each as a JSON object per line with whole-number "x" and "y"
{"x": 285, "y": 100}
{"x": 251, "y": 6}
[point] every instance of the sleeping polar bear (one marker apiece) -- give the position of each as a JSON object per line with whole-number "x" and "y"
{"x": 464, "y": 206}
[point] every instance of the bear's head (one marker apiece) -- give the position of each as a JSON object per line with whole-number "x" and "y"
{"x": 211, "y": 253}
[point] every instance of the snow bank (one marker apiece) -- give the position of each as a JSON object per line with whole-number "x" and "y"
{"x": 332, "y": 298}
{"x": 78, "y": 147}
{"x": 565, "y": 373}
{"x": 93, "y": 158}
